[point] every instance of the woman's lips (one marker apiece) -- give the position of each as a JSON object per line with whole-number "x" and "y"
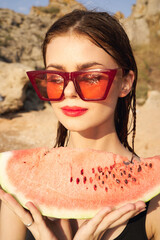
{"x": 73, "y": 111}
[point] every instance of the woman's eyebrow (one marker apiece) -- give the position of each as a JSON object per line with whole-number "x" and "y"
{"x": 57, "y": 66}
{"x": 78, "y": 66}
{"x": 88, "y": 65}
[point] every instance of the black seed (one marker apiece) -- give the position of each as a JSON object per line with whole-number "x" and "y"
{"x": 109, "y": 172}
{"x": 84, "y": 179}
{"x": 121, "y": 174}
{"x": 150, "y": 165}
{"x": 126, "y": 181}
{"x": 99, "y": 177}
{"x": 131, "y": 169}
{"x": 102, "y": 173}
{"x": 146, "y": 164}
{"x": 113, "y": 175}
{"x": 122, "y": 187}
{"x": 95, "y": 187}
{"x": 139, "y": 168}
{"x": 102, "y": 182}
{"x": 118, "y": 181}
{"x": 129, "y": 175}
{"x": 106, "y": 176}
{"x": 134, "y": 179}
{"x": 124, "y": 172}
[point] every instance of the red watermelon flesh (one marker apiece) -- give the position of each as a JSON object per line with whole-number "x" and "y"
{"x": 77, "y": 183}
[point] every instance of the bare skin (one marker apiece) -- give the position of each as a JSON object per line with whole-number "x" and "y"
{"x": 100, "y": 133}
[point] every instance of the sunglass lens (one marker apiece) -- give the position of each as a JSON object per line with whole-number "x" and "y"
{"x": 55, "y": 86}
{"x": 93, "y": 85}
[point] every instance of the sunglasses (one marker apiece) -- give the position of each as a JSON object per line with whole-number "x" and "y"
{"x": 91, "y": 85}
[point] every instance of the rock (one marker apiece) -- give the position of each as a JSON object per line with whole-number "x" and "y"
{"x": 147, "y": 140}
{"x": 119, "y": 15}
{"x": 144, "y": 23}
{"x": 13, "y": 81}
{"x": 22, "y": 35}
{"x": 21, "y": 38}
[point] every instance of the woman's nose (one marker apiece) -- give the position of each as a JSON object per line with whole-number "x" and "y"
{"x": 70, "y": 91}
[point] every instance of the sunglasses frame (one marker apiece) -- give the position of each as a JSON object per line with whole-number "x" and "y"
{"x": 71, "y": 76}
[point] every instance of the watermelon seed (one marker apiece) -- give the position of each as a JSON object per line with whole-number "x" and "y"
{"x": 106, "y": 189}
{"x": 102, "y": 173}
{"x": 82, "y": 172}
{"x": 99, "y": 169}
{"x": 139, "y": 168}
{"x": 102, "y": 182}
{"x": 134, "y": 179}
{"x": 146, "y": 164}
{"x": 150, "y": 165}
{"x": 84, "y": 179}
{"x": 124, "y": 172}
{"x": 131, "y": 169}
{"x": 106, "y": 176}
{"x": 71, "y": 179}
{"x": 129, "y": 175}
{"x": 95, "y": 187}
{"x": 99, "y": 177}
{"x": 77, "y": 180}
{"x": 113, "y": 175}
{"x": 121, "y": 174}
{"x": 126, "y": 181}
{"x": 109, "y": 172}
{"x": 118, "y": 181}
{"x": 122, "y": 187}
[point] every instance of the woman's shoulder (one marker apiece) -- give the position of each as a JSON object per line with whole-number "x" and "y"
{"x": 153, "y": 218}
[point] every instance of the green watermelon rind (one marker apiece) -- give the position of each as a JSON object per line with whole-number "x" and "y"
{"x": 54, "y": 211}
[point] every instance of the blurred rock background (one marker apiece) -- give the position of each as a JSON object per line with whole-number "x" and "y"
{"x": 26, "y": 121}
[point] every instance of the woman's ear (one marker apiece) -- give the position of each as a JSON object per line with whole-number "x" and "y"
{"x": 127, "y": 82}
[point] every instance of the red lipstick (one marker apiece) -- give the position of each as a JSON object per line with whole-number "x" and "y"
{"x": 73, "y": 111}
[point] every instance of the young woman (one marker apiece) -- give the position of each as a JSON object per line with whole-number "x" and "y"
{"x": 90, "y": 80}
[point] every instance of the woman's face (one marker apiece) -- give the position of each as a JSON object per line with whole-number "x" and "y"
{"x": 71, "y": 53}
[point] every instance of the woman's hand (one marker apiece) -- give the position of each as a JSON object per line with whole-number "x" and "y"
{"x": 41, "y": 227}
{"x": 107, "y": 218}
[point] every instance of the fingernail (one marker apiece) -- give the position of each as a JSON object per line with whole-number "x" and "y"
{"x": 143, "y": 209}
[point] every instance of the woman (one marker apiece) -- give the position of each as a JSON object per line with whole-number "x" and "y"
{"x": 91, "y": 80}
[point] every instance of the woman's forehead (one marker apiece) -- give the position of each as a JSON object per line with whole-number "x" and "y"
{"x": 77, "y": 49}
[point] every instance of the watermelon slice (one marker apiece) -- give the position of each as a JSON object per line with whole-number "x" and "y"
{"x": 77, "y": 183}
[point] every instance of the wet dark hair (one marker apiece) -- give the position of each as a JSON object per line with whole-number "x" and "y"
{"x": 106, "y": 32}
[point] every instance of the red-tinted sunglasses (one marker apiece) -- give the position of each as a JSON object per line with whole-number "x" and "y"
{"x": 91, "y": 85}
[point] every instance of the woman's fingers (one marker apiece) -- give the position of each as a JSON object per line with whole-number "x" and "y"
{"x": 94, "y": 222}
{"x": 43, "y": 230}
{"x": 120, "y": 215}
{"x": 108, "y": 218}
{"x": 12, "y": 203}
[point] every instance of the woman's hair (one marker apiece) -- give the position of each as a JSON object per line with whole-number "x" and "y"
{"x": 106, "y": 32}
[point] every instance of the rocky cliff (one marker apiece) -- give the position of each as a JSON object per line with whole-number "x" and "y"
{"x": 143, "y": 25}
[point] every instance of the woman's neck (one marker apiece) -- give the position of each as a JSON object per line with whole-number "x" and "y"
{"x": 105, "y": 142}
